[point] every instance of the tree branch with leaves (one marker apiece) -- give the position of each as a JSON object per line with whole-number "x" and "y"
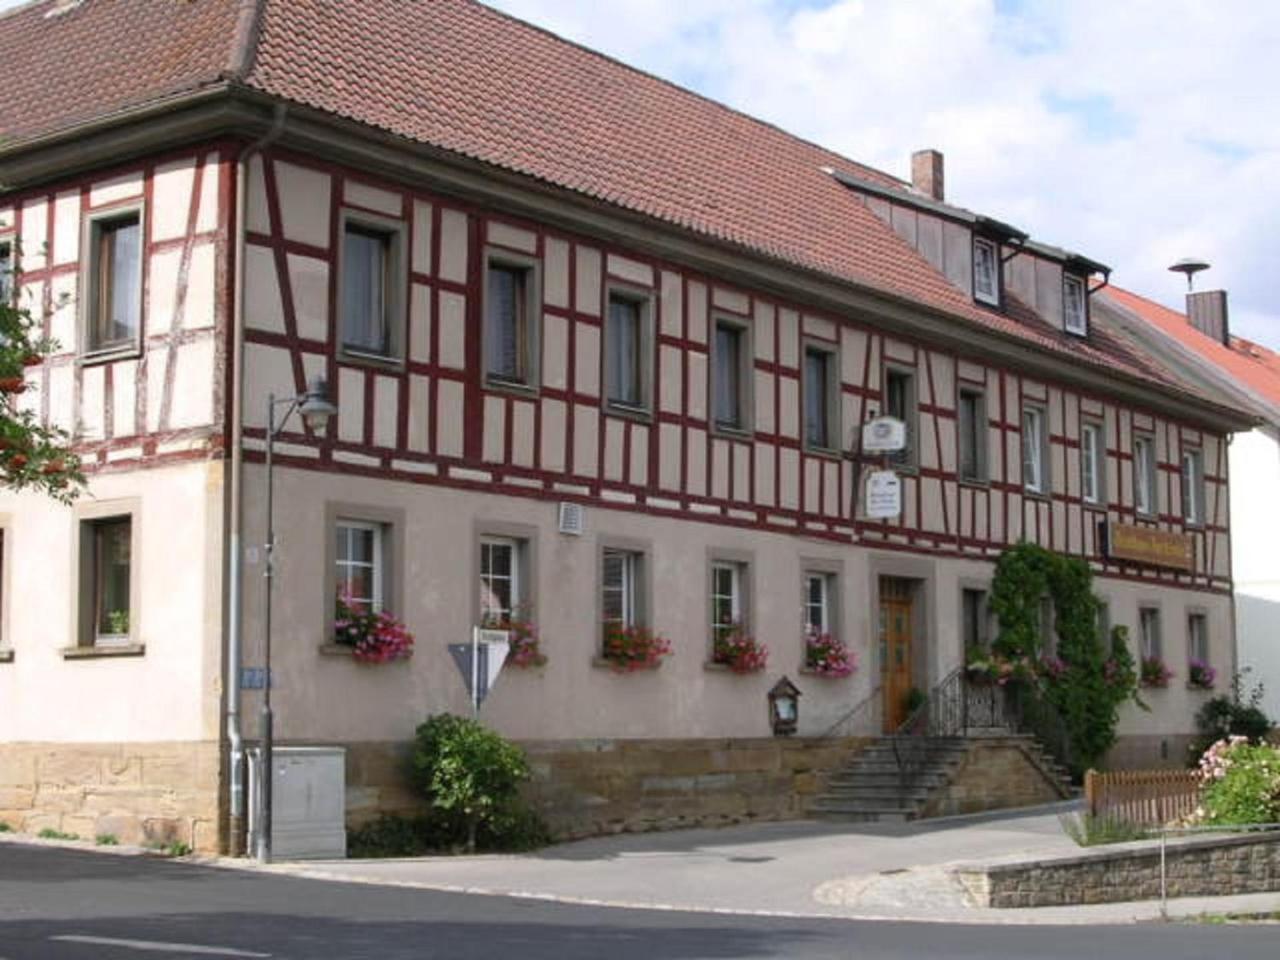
{"x": 33, "y": 456}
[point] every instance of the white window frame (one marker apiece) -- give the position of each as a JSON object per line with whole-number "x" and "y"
{"x": 736, "y": 572}
{"x": 89, "y": 282}
{"x": 989, "y": 296}
{"x": 8, "y": 269}
{"x": 1149, "y": 638}
{"x": 1145, "y": 493}
{"x": 909, "y": 415}
{"x": 628, "y": 588}
{"x": 1193, "y": 486}
{"x": 1034, "y": 420}
{"x": 1091, "y": 459}
{"x": 344, "y": 568}
{"x": 1198, "y": 636}
{"x": 979, "y": 436}
{"x": 826, "y": 582}
{"x": 517, "y": 599}
{"x": 1075, "y": 321}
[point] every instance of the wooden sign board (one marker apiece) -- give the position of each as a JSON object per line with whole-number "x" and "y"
{"x": 1157, "y": 548}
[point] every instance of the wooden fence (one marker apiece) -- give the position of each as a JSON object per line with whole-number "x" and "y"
{"x": 1142, "y": 797}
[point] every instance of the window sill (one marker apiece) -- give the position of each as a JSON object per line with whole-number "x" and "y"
{"x": 603, "y": 663}
{"x": 131, "y": 351}
{"x": 627, "y": 411}
{"x": 342, "y": 650}
{"x": 99, "y": 653}
{"x": 1198, "y": 687}
{"x": 1037, "y": 494}
{"x": 974, "y": 484}
{"x": 378, "y": 361}
{"x": 517, "y": 387}
{"x": 731, "y": 432}
{"x": 810, "y": 672}
{"x": 712, "y": 666}
{"x": 830, "y": 453}
{"x": 6, "y": 656}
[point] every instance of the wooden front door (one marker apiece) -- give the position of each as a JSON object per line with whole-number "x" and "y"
{"x": 895, "y": 649}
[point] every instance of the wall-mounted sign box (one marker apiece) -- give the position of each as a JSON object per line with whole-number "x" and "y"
{"x": 1147, "y": 545}
{"x": 883, "y": 435}
{"x": 884, "y": 495}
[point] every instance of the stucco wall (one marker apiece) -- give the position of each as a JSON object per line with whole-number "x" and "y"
{"x": 1255, "y": 477}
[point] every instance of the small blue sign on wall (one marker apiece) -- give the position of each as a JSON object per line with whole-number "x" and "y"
{"x": 253, "y": 678}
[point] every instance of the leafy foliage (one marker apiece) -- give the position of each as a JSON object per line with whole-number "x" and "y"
{"x": 739, "y": 651}
{"x": 515, "y": 830}
{"x": 826, "y": 656}
{"x": 1235, "y": 714}
{"x": 1090, "y": 831}
{"x": 634, "y": 648}
{"x": 32, "y": 456}
{"x": 1092, "y": 678}
{"x": 470, "y": 775}
{"x": 1241, "y": 783}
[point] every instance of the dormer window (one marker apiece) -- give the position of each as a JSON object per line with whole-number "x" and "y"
{"x": 1075, "y": 309}
{"x": 986, "y": 271}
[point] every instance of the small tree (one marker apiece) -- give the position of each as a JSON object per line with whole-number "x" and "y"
{"x": 32, "y": 455}
{"x": 467, "y": 771}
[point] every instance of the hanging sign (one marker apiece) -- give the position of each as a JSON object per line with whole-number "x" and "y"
{"x": 480, "y": 662}
{"x": 883, "y": 435}
{"x": 884, "y": 495}
{"x": 1159, "y": 548}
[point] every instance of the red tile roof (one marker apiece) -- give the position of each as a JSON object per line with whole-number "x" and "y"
{"x": 465, "y": 78}
{"x": 1250, "y": 364}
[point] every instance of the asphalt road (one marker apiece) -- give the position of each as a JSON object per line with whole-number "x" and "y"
{"x": 72, "y": 905}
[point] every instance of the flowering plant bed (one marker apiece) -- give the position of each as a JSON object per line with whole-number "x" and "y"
{"x": 986, "y": 667}
{"x": 828, "y": 657}
{"x": 739, "y": 651}
{"x": 372, "y": 637}
{"x": 1200, "y": 675}
{"x": 628, "y": 649}
{"x": 526, "y": 647}
{"x": 1154, "y": 673}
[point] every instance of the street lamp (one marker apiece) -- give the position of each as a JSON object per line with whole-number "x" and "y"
{"x": 315, "y": 408}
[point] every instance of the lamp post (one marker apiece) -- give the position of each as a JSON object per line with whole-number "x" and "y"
{"x": 315, "y": 408}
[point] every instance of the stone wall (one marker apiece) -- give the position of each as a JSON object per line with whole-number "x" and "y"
{"x": 997, "y": 773}
{"x": 137, "y": 792}
{"x": 589, "y": 787}
{"x": 1196, "y": 867}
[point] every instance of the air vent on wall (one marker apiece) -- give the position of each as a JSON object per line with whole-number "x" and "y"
{"x": 572, "y": 519}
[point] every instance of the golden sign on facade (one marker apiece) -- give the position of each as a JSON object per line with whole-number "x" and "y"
{"x": 1159, "y": 548}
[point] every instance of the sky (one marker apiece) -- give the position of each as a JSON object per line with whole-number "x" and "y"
{"x": 1135, "y": 132}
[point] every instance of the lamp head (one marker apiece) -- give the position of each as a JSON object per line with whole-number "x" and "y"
{"x": 315, "y": 406}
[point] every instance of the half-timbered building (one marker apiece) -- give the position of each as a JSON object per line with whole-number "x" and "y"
{"x": 600, "y": 349}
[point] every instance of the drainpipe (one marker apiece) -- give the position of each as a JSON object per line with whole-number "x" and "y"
{"x": 235, "y": 555}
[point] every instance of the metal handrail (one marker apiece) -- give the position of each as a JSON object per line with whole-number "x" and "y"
{"x": 870, "y": 699}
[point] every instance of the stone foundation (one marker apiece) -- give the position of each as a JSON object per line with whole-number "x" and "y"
{"x": 1195, "y": 868}
{"x": 137, "y": 792}
{"x": 589, "y": 787}
{"x": 997, "y": 773}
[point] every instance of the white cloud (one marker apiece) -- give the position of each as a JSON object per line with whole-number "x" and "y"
{"x": 1135, "y": 133}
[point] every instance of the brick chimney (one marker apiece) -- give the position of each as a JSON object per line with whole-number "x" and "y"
{"x": 926, "y": 174}
{"x": 1207, "y": 312}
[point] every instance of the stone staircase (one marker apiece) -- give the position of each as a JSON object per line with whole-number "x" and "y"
{"x": 959, "y": 774}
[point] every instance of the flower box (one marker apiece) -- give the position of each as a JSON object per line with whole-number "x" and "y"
{"x": 629, "y": 649}
{"x": 373, "y": 637}
{"x": 825, "y": 656}
{"x": 1152, "y": 672}
{"x": 739, "y": 651}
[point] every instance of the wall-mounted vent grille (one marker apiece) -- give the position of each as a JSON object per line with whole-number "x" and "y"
{"x": 572, "y": 519}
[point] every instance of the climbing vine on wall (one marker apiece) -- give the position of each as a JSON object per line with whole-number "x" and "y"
{"x": 1099, "y": 673}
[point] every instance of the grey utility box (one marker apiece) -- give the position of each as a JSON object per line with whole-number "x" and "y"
{"x": 308, "y": 802}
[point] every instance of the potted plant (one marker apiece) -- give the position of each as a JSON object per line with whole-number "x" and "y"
{"x": 1200, "y": 675}
{"x": 631, "y": 648}
{"x": 373, "y": 637}
{"x": 826, "y": 656}
{"x": 1154, "y": 673}
{"x": 739, "y": 651}
{"x": 525, "y": 648}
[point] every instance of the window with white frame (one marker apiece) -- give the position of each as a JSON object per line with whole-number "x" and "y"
{"x": 972, "y": 424}
{"x": 358, "y": 555}
{"x": 973, "y": 619}
{"x": 6, "y": 272}
{"x": 370, "y": 296}
{"x": 510, "y": 342}
{"x": 1193, "y": 486}
{"x": 1144, "y": 475}
{"x": 502, "y": 594}
{"x": 729, "y": 375}
{"x": 114, "y": 302}
{"x": 1075, "y": 309}
{"x": 1035, "y": 460}
{"x": 818, "y": 598}
{"x": 620, "y": 572}
{"x": 986, "y": 271}
{"x": 820, "y": 398}
{"x": 1149, "y": 632}
{"x": 727, "y": 598}
{"x": 626, "y": 339}
{"x": 1091, "y": 460}
{"x": 900, "y": 402}
{"x": 1198, "y": 637}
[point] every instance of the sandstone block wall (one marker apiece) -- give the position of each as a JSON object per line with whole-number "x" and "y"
{"x": 997, "y": 774}
{"x": 1199, "y": 867}
{"x": 138, "y": 792}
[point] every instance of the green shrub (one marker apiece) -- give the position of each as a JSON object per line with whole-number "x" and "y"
{"x": 1090, "y": 831}
{"x": 1242, "y": 783}
{"x": 5, "y": 828}
{"x": 471, "y": 777}
{"x": 1237, "y": 714}
{"x": 392, "y": 835}
{"x": 48, "y": 833}
{"x": 106, "y": 840}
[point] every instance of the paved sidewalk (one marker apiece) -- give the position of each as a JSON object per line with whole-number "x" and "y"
{"x": 871, "y": 871}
